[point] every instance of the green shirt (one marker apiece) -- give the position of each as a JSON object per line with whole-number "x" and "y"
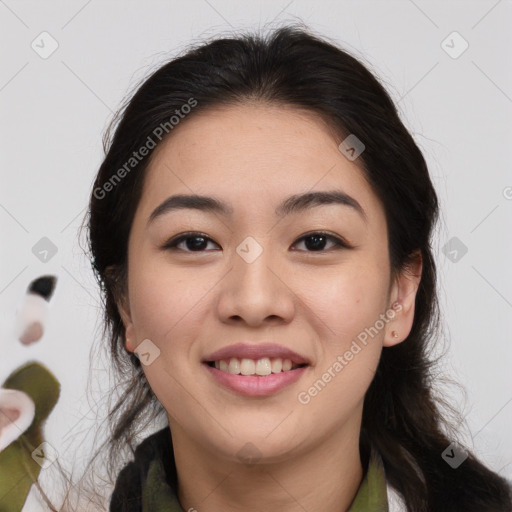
{"x": 149, "y": 483}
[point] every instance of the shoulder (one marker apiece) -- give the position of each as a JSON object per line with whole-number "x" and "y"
{"x": 127, "y": 494}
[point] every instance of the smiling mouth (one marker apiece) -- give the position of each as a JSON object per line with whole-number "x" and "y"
{"x": 251, "y": 368}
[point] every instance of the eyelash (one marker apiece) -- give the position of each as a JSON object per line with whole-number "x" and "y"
{"x": 339, "y": 243}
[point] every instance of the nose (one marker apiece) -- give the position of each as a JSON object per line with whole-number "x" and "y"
{"x": 256, "y": 293}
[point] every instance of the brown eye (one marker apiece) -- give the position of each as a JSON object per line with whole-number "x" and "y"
{"x": 194, "y": 242}
{"x": 315, "y": 242}
{"x": 197, "y": 242}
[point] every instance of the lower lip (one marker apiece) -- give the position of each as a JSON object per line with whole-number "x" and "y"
{"x": 256, "y": 386}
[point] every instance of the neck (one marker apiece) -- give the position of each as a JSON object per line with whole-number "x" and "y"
{"x": 328, "y": 473}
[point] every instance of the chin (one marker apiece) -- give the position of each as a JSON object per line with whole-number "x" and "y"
{"x": 257, "y": 447}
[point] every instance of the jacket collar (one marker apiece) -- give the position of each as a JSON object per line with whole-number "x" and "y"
{"x": 160, "y": 496}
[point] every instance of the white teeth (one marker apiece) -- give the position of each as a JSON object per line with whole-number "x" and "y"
{"x": 263, "y": 366}
{"x": 234, "y": 366}
{"x": 247, "y": 367}
{"x": 277, "y": 365}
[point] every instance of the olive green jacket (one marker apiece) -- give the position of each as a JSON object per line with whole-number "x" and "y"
{"x": 149, "y": 483}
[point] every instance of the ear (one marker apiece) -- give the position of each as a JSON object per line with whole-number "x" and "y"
{"x": 129, "y": 329}
{"x": 120, "y": 293}
{"x": 402, "y": 298}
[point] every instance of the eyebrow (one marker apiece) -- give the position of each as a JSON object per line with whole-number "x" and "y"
{"x": 291, "y": 205}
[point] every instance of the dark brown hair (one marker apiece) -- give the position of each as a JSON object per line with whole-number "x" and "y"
{"x": 290, "y": 66}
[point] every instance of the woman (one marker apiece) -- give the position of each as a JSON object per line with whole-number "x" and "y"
{"x": 261, "y": 230}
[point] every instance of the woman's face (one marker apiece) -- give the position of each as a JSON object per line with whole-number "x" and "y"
{"x": 256, "y": 278}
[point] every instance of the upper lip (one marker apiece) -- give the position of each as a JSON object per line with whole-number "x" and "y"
{"x": 255, "y": 352}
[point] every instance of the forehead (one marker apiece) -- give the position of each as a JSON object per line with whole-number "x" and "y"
{"x": 249, "y": 153}
{"x": 239, "y": 137}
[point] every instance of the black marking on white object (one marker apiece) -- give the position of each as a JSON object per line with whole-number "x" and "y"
{"x": 33, "y": 311}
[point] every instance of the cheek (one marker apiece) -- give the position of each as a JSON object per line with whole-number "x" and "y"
{"x": 165, "y": 304}
{"x": 351, "y": 349}
{"x": 162, "y": 299}
{"x": 347, "y": 300}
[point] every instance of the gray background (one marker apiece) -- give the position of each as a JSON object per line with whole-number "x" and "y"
{"x": 54, "y": 111}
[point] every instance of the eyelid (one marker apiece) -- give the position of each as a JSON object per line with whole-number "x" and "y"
{"x": 173, "y": 241}
{"x": 339, "y": 242}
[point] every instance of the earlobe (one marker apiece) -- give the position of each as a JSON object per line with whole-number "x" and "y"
{"x": 115, "y": 278}
{"x": 129, "y": 332}
{"x": 403, "y": 296}
{"x": 130, "y": 338}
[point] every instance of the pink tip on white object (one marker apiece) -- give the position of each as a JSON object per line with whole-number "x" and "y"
{"x": 31, "y": 318}
{"x": 33, "y": 312}
{"x": 17, "y": 412}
